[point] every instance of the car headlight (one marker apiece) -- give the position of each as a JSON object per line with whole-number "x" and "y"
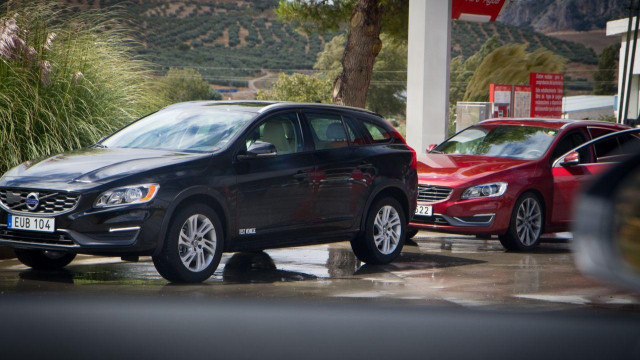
{"x": 127, "y": 195}
{"x": 485, "y": 190}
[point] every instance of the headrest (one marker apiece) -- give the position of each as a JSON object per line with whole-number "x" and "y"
{"x": 335, "y": 131}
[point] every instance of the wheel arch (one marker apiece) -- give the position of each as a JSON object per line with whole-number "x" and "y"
{"x": 193, "y": 195}
{"x": 394, "y": 191}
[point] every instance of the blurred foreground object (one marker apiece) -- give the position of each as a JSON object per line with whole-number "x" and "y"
{"x": 607, "y": 226}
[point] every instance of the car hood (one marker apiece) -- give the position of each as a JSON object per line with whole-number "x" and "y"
{"x": 90, "y": 166}
{"x": 453, "y": 170}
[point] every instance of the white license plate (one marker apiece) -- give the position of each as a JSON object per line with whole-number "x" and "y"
{"x": 32, "y": 223}
{"x": 424, "y": 210}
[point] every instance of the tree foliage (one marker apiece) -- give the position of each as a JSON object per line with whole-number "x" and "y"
{"x": 461, "y": 71}
{"x": 510, "y": 64}
{"x": 184, "y": 85}
{"x": 367, "y": 19}
{"x": 299, "y": 88}
{"x": 389, "y": 73}
{"x": 332, "y": 15}
{"x": 605, "y": 77}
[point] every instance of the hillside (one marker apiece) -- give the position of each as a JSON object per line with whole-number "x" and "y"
{"x": 231, "y": 41}
{"x": 562, "y": 15}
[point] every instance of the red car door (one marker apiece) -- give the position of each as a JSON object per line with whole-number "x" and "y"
{"x": 567, "y": 180}
{"x": 567, "y": 177}
{"x": 595, "y": 157}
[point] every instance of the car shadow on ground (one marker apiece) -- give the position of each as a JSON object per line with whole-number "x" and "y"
{"x": 257, "y": 267}
{"x": 410, "y": 261}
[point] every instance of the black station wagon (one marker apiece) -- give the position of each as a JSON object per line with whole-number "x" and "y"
{"x": 197, "y": 179}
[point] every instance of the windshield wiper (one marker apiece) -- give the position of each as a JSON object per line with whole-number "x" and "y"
{"x": 100, "y": 146}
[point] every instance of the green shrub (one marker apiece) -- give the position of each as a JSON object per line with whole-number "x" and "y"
{"x": 65, "y": 80}
{"x": 184, "y": 85}
{"x": 299, "y": 88}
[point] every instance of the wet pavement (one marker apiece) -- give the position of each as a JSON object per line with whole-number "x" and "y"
{"x": 441, "y": 270}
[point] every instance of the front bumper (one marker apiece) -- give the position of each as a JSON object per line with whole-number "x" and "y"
{"x": 117, "y": 231}
{"x": 472, "y": 217}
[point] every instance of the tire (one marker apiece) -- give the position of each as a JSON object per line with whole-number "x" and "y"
{"x": 201, "y": 251}
{"x": 44, "y": 260}
{"x": 382, "y": 252}
{"x": 411, "y": 233}
{"x": 529, "y": 235}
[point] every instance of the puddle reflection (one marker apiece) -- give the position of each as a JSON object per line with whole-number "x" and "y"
{"x": 257, "y": 267}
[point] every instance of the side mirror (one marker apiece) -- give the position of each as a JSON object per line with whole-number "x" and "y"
{"x": 431, "y": 147}
{"x": 259, "y": 149}
{"x": 572, "y": 159}
{"x": 607, "y": 226}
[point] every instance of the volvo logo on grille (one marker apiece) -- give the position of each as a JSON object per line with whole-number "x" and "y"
{"x": 32, "y": 201}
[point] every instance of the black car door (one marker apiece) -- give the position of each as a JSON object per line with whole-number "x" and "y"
{"x": 274, "y": 194}
{"x": 340, "y": 186}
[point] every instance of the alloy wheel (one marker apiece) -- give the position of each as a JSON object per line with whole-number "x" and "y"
{"x": 387, "y": 229}
{"x": 197, "y": 243}
{"x": 529, "y": 222}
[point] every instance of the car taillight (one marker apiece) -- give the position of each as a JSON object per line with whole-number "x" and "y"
{"x": 414, "y": 159}
{"x": 397, "y": 136}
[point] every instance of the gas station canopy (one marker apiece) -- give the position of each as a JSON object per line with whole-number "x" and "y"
{"x": 476, "y": 10}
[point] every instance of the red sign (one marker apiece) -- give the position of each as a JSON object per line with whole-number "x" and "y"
{"x": 476, "y": 10}
{"x": 546, "y": 95}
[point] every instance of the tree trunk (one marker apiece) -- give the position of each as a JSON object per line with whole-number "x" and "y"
{"x": 360, "y": 52}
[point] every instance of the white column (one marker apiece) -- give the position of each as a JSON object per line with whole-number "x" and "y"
{"x": 428, "y": 72}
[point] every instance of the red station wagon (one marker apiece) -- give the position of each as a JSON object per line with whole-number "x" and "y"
{"x": 513, "y": 178}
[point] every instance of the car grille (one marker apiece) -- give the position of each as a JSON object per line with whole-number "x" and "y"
{"x": 432, "y": 193}
{"x": 35, "y": 237}
{"x": 50, "y": 202}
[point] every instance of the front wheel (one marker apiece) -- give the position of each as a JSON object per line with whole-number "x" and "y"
{"x": 43, "y": 259}
{"x": 193, "y": 247}
{"x": 382, "y": 239}
{"x": 526, "y": 224}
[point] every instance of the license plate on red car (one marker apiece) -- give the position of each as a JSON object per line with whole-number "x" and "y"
{"x": 424, "y": 210}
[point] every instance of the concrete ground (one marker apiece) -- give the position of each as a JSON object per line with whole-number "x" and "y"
{"x": 441, "y": 270}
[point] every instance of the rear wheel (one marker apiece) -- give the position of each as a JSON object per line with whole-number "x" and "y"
{"x": 526, "y": 223}
{"x": 193, "y": 247}
{"x": 44, "y": 259}
{"x": 382, "y": 239}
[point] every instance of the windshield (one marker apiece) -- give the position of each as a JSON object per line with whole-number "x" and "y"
{"x": 189, "y": 130}
{"x": 510, "y": 141}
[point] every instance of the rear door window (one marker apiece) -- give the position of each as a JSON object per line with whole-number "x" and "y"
{"x": 606, "y": 148}
{"x": 355, "y": 134}
{"x": 328, "y": 131}
{"x": 617, "y": 148}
